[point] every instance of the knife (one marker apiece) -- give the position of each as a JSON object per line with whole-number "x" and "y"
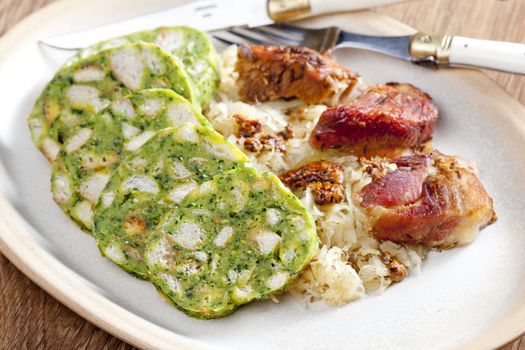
{"x": 210, "y": 15}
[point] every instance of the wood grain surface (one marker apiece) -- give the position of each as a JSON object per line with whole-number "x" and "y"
{"x": 31, "y": 319}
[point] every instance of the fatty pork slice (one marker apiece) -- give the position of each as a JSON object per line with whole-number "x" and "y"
{"x": 268, "y": 73}
{"x": 435, "y": 200}
{"x": 382, "y": 119}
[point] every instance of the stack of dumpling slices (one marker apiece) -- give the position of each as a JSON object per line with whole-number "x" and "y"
{"x": 166, "y": 197}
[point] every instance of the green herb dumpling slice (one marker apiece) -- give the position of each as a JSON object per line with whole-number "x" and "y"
{"x": 84, "y": 165}
{"x": 191, "y": 46}
{"x": 90, "y": 85}
{"x": 237, "y": 238}
{"x": 153, "y": 180}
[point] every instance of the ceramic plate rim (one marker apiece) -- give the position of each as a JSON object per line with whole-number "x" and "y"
{"x": 18, "y": 244}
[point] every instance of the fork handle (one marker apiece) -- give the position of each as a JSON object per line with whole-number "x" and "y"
{"x": 320, "y": 7}
{"x": 498, "y": 55}
{"x": 467, "y": 52}
{"x": 287, "y": 10}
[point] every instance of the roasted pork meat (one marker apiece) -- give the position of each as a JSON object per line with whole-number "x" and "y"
{"x": 383, "y": 118}
{"x": 268, "y": 73}
{"x": 323, "y": 178}
{"x": 434, "y": 200}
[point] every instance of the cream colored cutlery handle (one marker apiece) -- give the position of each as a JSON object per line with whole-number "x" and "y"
{"x": 287, "y": 10}
{"x": 319, "y": 7}
{"x": 498, "y": 55}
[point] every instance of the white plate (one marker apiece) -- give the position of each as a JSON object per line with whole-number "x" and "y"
{"x": 472, "y": 297}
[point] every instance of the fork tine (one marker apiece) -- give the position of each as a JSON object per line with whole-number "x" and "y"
{"x": 250, "y": 36}
{"x": 286, "y": 28}
{"x": 277, "y": 36}
{"x": 220, "y": 36}
{"x": 230, "y": 38}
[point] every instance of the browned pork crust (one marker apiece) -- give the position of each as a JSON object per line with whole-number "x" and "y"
{"x": 383, "y": 118}
{"x": 435, "y": 200}
{"x": 268, "y": 73}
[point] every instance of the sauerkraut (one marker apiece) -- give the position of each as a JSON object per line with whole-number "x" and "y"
{"x": 349, "y": 264}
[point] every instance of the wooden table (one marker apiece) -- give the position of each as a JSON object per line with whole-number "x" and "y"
{"x": 30, "y": 318}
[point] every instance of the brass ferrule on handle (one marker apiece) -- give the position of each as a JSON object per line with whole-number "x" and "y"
{"x": 286, "y": 10}
{"x": 431, "y": 47}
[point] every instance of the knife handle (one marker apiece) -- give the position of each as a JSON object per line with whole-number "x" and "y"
{"x": 468, "y": 52}
{"x": 287, "y": 10}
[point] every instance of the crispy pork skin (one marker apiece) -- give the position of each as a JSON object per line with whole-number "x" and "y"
{"x": 323, "y": 178}
{"x": 268, "y": 73}
{"x": 383, "y": 118}
{"x": 434, "y": 200}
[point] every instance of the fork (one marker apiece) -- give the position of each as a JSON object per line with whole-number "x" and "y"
{"x": 442, "y": 50}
